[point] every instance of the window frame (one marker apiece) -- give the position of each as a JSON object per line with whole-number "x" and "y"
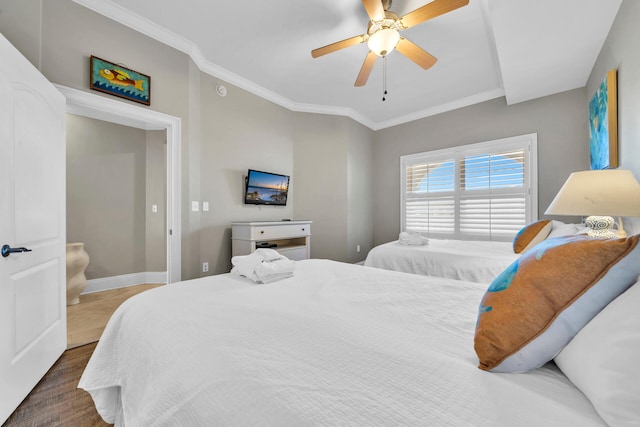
{"x": 528, "y": 142}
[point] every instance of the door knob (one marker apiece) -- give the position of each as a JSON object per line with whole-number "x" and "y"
{"x": 8, "y": 250}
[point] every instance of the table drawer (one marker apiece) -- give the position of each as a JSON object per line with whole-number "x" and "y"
{"x": 280, "y": 231}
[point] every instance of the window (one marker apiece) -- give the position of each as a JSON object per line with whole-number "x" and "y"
{"x": 484, "y": 191}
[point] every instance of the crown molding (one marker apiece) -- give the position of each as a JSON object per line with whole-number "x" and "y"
{"x": 142, "y": 25}
{"x": 443, "y": 108}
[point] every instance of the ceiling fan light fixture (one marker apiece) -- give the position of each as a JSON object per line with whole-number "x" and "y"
{"x": 383, "y": 41}
{"x": 383, "y": 34}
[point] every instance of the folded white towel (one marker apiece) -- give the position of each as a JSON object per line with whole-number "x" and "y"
{"x": 271, "y": 271}
{"x": 263, "y": 266}
{"x": 246, "y": 264}
{"x": 412, "y": 238}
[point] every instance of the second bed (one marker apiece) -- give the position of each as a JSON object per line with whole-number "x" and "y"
{"x": 475, "y": 261}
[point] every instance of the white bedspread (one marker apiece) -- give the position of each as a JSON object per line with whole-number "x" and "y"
{"x": 335, "y": 345}
{"x": 475, "y": 261}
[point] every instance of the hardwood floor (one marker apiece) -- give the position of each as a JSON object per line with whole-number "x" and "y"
{"x": 86, "y": 321}
{"x": 56, "y": 400}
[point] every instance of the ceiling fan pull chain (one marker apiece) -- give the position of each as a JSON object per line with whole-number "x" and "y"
{"x": 384, "y": 78}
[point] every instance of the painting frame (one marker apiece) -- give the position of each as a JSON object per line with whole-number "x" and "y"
{"x": 117, "y": 80}
{"x": 603, "y": 124}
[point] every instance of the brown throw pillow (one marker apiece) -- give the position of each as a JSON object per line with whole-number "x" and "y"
{"x": 534, "y": 307}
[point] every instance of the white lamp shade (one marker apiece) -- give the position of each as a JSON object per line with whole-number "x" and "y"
{"x": 383, "y": 41}
{"x": 612, "y": 192}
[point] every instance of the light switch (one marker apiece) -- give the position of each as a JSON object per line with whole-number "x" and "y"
{"x": 205, "y": 206}
{"x": 154, "y": 208}
{"x": 195, "y": 206}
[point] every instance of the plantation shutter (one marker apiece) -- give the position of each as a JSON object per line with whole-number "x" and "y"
{"x": 492, "y": 196}
{"x": 474, "y": 192}
{"x": 430, "y": 202}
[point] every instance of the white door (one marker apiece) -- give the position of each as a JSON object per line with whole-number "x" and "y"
{"x": 32, "y": 215}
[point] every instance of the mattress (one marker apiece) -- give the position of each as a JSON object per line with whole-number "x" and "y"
{"x": 476, "y": 261}
{"x": 334, "y": 345}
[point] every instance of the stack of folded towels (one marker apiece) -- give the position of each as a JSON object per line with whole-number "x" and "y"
{"x": 412, "y": 238}
{"x": 263, "y": 266}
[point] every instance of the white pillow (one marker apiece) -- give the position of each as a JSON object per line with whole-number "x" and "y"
{"x": 603, "y": 359}
{"x": 559, "y": 228}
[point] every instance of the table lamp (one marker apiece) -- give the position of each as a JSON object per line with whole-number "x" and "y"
{"x": 599, "y": 194}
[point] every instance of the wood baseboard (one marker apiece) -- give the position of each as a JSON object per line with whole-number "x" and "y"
{"x": 124, "y": 280}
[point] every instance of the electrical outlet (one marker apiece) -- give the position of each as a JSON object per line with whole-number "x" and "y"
{"x": 205, "y": 267}
{"x": 358, "y": 248}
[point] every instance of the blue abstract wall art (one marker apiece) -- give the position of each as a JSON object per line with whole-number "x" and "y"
{"x": 603, "y": 125}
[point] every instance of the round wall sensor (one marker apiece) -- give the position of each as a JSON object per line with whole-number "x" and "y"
{"x": 222, "y": 91}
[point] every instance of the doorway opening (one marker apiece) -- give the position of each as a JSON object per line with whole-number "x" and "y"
{"x": 86, "y": 104}
{"x": 91, "y": 106}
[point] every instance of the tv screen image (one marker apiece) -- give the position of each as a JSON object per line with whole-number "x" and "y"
{"x": 265, "y": 188}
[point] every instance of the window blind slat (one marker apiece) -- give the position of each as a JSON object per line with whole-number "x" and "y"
{"x": 492, "y": 217}
{"x": 477, "y": 191}
{"x": 430, "y": 216}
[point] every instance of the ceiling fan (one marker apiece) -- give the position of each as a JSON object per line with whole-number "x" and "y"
{"x": 383, "y": 34}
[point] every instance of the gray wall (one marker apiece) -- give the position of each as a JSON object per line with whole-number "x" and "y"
{"x": 113, "y": 173}
{"x": 321, "y": 181}
{"x": 20, "y": 23}
{"x": 156, "y": 194}
{"x": 621, "y": 51}
{"x": 333, "y": 184}
{"x": 238, "y": 132}
{"x": 361, "y": 191}
{"x": 559, "y": 120}
{"x": 221, "y": 137}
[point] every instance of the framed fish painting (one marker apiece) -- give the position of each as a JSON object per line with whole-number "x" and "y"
{"x": 119, "y": 81}
{"x": 603, "y": 124}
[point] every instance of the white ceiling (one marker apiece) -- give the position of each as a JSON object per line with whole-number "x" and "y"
{"x": 520, "y": 49}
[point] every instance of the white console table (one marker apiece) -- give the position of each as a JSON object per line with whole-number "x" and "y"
{"x": 293, "y": 238}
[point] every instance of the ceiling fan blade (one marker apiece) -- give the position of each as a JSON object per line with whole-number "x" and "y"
{"x": 375, "y": 10}
{"x": 337, "y": 45}
{"x": 367, "y": 66}
{"x": 415, "y": 53}
{"x": 431, "y": 10}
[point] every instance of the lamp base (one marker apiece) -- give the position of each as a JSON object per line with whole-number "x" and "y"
{"x": 602, "y": 234}
{"x": 601, "y": 227}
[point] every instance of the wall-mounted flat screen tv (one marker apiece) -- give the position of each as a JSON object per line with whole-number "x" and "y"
{"x": 265, "y": 188}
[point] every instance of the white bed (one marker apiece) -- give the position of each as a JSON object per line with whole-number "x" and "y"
{"x": 475, "y": 261}
{"x": 336, "y": 344}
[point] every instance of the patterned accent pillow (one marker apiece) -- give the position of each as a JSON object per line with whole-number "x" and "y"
{"x": 532, "y": 234}
{"x": 534, "y": 307}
